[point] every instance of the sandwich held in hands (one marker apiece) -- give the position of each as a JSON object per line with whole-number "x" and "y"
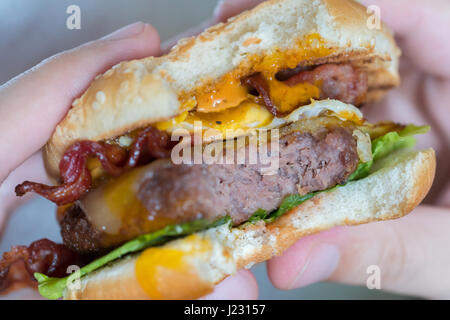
{"x": 286, "y": 77}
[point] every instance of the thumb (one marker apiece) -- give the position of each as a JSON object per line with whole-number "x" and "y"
{"x": 421, "y": 27}
{"x": 241, "y": 286}
{"x": 410, "y": 254}
{"x": 34, "y": 102}
{"x": 229, "y": 8}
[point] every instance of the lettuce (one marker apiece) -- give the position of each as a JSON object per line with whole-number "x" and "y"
{"x": 53, "y": 288}
{"x": 288, "y": 203}
{"x": 385, "y": 145}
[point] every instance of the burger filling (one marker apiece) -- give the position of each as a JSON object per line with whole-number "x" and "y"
{"x": 314, "y": 155}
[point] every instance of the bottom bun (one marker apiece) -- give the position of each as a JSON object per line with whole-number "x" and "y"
{"x": 190, "y": 267}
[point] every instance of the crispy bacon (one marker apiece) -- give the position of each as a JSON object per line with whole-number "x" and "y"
{"x": 259, "y": 83}
{"x": 337, "y": 81}
{"x": 77, "y": 181}
{"x": 150, "y": 144}
{"x": 75, "y": 176}
{"x": 19, "y": 264}
{"x": 285, "y": 74}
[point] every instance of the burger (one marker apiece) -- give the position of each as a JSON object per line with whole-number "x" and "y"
{"x": 141, "y": 220}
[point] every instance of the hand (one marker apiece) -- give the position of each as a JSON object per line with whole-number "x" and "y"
{"x": 411, "y": 252}
{"x": 32, "y": 104}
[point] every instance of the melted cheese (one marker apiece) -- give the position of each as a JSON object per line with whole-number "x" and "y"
{"x": 249, "y": 116}
{"x": 228, "y": 92}
{"x": 246, "y": 116}
{"x": 288, "y": 98}
{"x": 166, "y": 272}
{"x": 114, "y": 207}
{"x": 309, "y": 47}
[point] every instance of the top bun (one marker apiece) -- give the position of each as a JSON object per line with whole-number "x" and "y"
{"x": 137, "y": 93}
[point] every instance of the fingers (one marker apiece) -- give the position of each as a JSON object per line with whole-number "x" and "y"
{"x": 309, "y": 260}
{"x": 168, "y": 44}
{"x": 411, "y": 254}
{"x": 422, "y": 27}
{"x": 33, "y": 103}
{"x": 228, "y": 8}
{"x": 241, "y": 286}
{"x": 23, "y": 294}
{"x": 32, "y": 169}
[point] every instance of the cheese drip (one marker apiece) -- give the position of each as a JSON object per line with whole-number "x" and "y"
{"x": 116, "y": 209}
{"x": 228, "y": 92}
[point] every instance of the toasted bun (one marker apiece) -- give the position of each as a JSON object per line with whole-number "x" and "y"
{"x": 211, "y": 255}
{"x": 136, "y": 93}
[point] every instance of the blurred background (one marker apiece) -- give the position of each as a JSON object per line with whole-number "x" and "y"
{"x": 31, "y": 31}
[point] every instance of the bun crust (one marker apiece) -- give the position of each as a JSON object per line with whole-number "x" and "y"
{"x": 137, "y": 93}
{"x": 388, "y": 193}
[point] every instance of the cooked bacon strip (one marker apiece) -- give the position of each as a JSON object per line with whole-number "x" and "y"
{"x": 75, "y": 176}
{"x": 337, "y": 81}
{"x": 285, "y": 74}
{"x": 19, "y": 264}
{"x": 62, "y": 194}
{"x": 150, "y": 144}
{"x": 77, "y": 181}
{"x": 259, "y": 83}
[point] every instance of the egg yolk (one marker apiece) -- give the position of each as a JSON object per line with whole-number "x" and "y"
{"x": 166, "y": 272}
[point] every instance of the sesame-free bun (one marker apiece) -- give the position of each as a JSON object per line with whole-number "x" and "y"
{"x": 210, "y": 256}
{"x": 137, "y": 93}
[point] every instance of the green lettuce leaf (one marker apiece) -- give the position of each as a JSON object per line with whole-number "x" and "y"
{"x": 385, "y": 145}
{"x": 290, "y": 202}
{"x": 53, "y": 288}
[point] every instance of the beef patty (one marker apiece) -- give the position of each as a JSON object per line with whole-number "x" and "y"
{"x": 313, "y": 155}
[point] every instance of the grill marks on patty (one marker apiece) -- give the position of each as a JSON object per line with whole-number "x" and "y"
{"x": 315, "y": 154}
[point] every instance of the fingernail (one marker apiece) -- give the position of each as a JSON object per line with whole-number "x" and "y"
{"x": 126, "y": 32}
{"x": 320, "y": 264}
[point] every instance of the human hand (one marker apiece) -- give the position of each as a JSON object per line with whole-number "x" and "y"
{"x": 411, "y": 252}
{"x": 32, "y": 104}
